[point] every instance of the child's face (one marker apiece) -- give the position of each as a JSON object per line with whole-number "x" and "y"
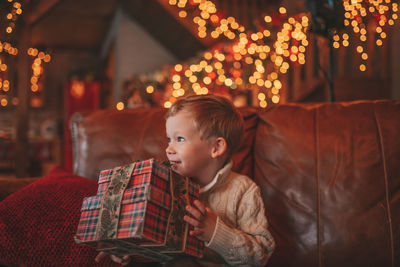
{"x": 187, "y": 152}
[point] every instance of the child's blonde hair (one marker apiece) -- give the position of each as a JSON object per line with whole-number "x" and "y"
{"x": 214, "y": 116}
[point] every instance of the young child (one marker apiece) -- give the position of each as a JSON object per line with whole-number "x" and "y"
{"x": 203, "y": 132}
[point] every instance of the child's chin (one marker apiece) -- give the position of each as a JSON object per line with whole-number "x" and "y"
{"x": 175, "y": 168}
{"x": 178, "y": 170}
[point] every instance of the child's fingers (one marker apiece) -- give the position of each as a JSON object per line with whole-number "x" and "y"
{"x": 195, "y": 212}
{"x": 125, "y": 260}
{"x": 196, "y": 232}
{"x": 191, "y": 221}
{"x": 208, "y": 210}
{"x": 100, "y": 256}
{"x": 200, "y": 206}
{"x": 116, "y": 259}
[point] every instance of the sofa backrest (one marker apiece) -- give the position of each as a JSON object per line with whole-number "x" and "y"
{"x": 108, "y": 138}
{"x": 330, "y": 178}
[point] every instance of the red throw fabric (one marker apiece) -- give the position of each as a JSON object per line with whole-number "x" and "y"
{"x": 38, "y": 223}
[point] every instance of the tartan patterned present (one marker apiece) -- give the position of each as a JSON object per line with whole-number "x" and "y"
{"x": 145, "y": 172}
{"x": 138, "y": 210}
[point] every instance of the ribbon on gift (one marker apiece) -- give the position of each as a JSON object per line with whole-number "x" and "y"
{"x": 107, "y": 224}
{"x": 177, "y": 227}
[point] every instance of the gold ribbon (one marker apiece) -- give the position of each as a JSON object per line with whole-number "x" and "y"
{"x": 177, "y": 227}
{"x": 107, "y": 223}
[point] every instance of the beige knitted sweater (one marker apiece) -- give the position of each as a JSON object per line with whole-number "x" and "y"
{"x": 241, "y": 236}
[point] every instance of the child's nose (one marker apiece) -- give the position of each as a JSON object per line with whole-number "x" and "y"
{"x": 169, "y": 150}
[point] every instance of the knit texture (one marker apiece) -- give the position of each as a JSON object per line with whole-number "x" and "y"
{"x": 241, "y": 236}
{"x": 38, "y": 223}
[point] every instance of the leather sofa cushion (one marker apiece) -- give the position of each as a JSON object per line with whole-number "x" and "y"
{"x": 329, "y": 178}
{"x": 108, "y": 138}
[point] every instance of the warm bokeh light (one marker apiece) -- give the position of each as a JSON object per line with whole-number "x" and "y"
{"x": 182, "y": 14}
{"x": 120, "y": 106}
{"x": 4, "y": 102}
{"x": 282, "y": 10}
{"x": 167, "y": 104}
{"x": 178, "y": 67}
{"x": 150, "y": 89}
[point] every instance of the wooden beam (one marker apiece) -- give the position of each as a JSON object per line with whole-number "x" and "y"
{"x": 40, "y": 10}
{"x": 164, "y": 27}
{"x": 22, "y": 143}
{"x": 187, "y": 23}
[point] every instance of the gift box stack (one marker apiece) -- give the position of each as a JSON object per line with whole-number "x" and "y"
{"x": 138, "y": 211}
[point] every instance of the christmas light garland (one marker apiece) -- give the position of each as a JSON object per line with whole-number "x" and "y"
{"x": 249, "y": 60}
{"x": 254, "y": 60}
{"x": 359, "y": 15}
{"x": 7, "y": 49}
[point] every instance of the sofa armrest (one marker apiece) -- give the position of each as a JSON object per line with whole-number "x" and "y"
{"x": 11, "y": 185}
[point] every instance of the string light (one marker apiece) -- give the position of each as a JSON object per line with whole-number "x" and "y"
{"x": 358, "y": 15}
{"x": 38, "y": 58}
{"x": 12, "y": 17}
{"x": 253, "y": 52}
{"x": 37, "y": 68}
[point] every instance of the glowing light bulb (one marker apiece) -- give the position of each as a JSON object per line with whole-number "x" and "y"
{"x": 120, "y": 106}
{"x": 261, "y": 96}
{"x": 150, "y": 89}
{"x": 275, "y": 99}
{"x": 267, "y": 19}
{"x": 263, "y": 104}
{"x": 3, "y": 102}
{"x": 167, "y": 104}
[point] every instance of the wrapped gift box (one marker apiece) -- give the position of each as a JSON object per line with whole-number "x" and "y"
{"x": 138, "y": 210}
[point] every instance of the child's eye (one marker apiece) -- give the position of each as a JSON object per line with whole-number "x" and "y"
{"x": 180, "y": 139}
{"x": 169, "y": 140}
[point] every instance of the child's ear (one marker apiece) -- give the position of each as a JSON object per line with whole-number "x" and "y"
{"x": 219, "y": 148}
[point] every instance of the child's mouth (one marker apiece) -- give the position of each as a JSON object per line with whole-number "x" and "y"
{"x": 174, "y": 163}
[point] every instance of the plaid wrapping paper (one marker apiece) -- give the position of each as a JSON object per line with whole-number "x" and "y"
{"x": 144, "y": 215}
{"x": 146, "y": 202}
{"x": 145, "y": 172}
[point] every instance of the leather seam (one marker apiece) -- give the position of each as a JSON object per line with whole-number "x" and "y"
{"x": 316, "y": 125}
{"x": 385, "y": 176}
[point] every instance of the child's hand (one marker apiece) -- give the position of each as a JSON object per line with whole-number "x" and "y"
{"x": 123, "y": 261}
{"x": 203, "y": 220}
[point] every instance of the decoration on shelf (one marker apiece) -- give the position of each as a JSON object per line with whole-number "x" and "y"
{"x": 366, "y": 19}
{"x": 8, "y": 51}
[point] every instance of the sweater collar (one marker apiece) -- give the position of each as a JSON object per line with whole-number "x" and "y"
{"x": 223, "y": 172}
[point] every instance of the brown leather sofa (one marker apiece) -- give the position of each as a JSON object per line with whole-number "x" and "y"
{"x": 329, "y": 173}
